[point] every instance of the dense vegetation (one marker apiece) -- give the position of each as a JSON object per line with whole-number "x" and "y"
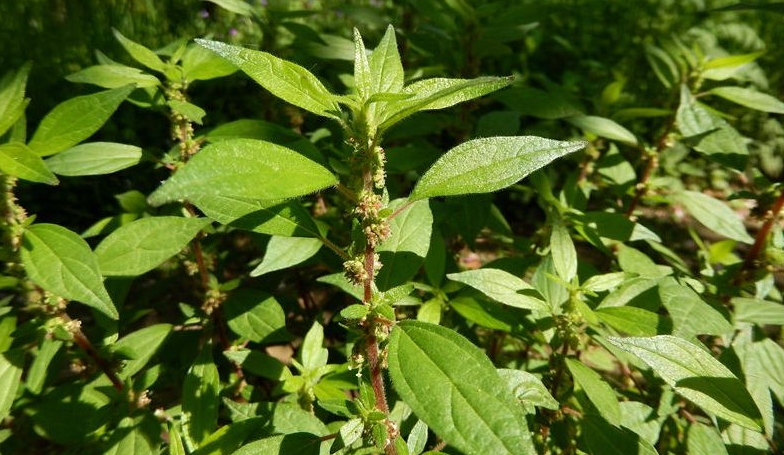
{"x": 357, "y": 227}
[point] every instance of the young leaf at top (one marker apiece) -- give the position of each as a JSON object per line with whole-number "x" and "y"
{"x": 386, "y": 70}
{"x": 61, "y": 262}
{"x": 19, "y": 161}
{"x": 488, "y": 164}
{"x": 140, "y": 53}
{"x": 142, "y": 245}
{"x": 12, "y": 99}
{"x": 362, "y": 77}
{"x": 244, "y": 169}
{"x": 453, "y": 387}
{"x": 286, "y": 80}
{"x": 696, "y": 375}
{"x": 73, "y": 121}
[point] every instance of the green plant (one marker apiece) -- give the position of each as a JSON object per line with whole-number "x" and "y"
{"x": 341, "y": 285}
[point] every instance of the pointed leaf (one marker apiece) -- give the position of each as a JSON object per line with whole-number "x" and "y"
{"x": 603, "y": 127}
{"x": 142, "y": 245}
{"x": 439, "y": 93}
{"x": 36, "y": 375}
{"x": 695, "y": 375}
{"x": 312, "y": 353}
{"x": 715, "y": 215}
{"x": 12, "y": 99}
{"x": 284, "y": 79}
{"x": 705, "y": 440}
{"x": 691, "y": 315}
{"x": 94, "y": 158}
{"x": 605, "y": 439}
{"x": 73, "y": 121}
{"x": 563, "y": 252}
{"x": 284, "y": 252}
{"x": 386, "y": 70}
{"x": 502, "y": 287}
{"x": 597, "y": 390}
{"x": 244, "y": 169}
{"x": 199, "y": 64}
{"x": 19, "y": 161}
{"x": 453, "y": 387}
{"x": 113, "y": 76}
{"x": 140, "y": 53}
{"x": 140, "y": 346}
{"x": 489, "y": 164}
{"x": 750, "y": 98}
{"x": 362, "y": 77}
{"x": 722, "y": 68}
{"x": 61, "y": 262}
{"x": 11, "y": 363}
{"x": 200, "y": 397}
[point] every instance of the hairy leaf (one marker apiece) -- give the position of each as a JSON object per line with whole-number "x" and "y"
{"x": 454, "y": 388}
{"x": 284, "y": 252}
{"x": 489, "y": 164}
{"x": 140, "y": 346}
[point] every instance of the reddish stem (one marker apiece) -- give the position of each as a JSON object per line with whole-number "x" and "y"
{"x": 103, "y": 364}
{"x": 762, "y": 234}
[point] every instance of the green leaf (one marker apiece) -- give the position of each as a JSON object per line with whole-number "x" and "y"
{"x": 283, "y": 444}
{"x": 258, "y": 363}
{"x": 12, "y": 99}
{"x": 539, "y": 103}
{"x": 563, "y": 252}
{"x": 70, "y": 413}
{"x": 140, "y": 53}
{"x": 605, "y": 439}
{"x": 386, "y": 70}
{"x": 597, "y": 390}
{"x": 362, "y": 77}
{"x": 36, "y": 375}
{"x": 11, "y": 363}
{"x": 188, "y": 110}
{"x": 489, "y": 164}
{"x": 406, "y": 248}
{"x": 714, "y": 215}
{"x": 417, "y": 438}
{"x": 142, "y": 245}
{"x": 471, "y": 407}
{"x": 256, "y": 316}
{"x": 750, "y": 98}
{"x": 634, "y": 321}
{"x": 139, "y": 436}
{"x": 627, "y": 291}
{"x": 244, "y": 169}
{"x": 603, "y": 127}
{"x": 140, "y": 346}
{"x": 200, "y": 397}
{"x": 94, "y": 158}
{"x": 61, "y": 262}
{"x": 284, "y": 252}
{"x": 312, "y": 354}
{"x": 695, "y": 375}
{"x": 690, "y": 314}
{"x": 286, "y": 80}
{"x": 236, "y": 6}
{"x": 113, "y": 76}
{"x": 199, "y": 64}
{"x": 19, "y": 161}
{"x": 438, "y": 93}
{"x": 757, "y": 311}
{"x": 76, "y": 119}
{"x": 722, "y": 68}
{"x": 502, "y": 287}
{"x": 528, "y": 389}
{"x": 704, "y": 440}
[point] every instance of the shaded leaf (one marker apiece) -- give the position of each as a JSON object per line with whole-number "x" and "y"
{"x": 61, "y": 262}
{"x": 750, "y": 98}
{"x": 690, "y": 314}
{"x": 200, "y": 393}
{"x": 603, "y": 127}
{"x": 139, "y": 347}
{"x": 715, "y": 215}
{"x": 602, "y": 438}
{"x": 489, "y": 164}
{"x": 284, "y": 252}
{"x": 404, "y": 252}
{"x": 597, "y": 390}
{"x": 283, "y": 444}
{"x": 256, "y": 316}
{"x": 11, "y": 363}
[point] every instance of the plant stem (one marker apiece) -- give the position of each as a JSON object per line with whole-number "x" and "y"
{"x": 662, "y": 143}
{"x": 762, "y": 235}
{"x": 81, "y": 340}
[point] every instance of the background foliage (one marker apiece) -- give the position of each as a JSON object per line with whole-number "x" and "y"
{"x": 627, "y": 297}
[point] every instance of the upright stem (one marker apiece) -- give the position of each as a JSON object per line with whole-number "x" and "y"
{"x": 762, "y": 235}
{"x": 662, "y": 143}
